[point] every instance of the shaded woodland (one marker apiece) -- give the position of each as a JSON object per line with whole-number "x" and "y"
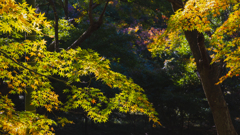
{"x": 122, "y": 31}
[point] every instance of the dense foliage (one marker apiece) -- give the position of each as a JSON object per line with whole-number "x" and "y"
{"x": 69, "y": 64}
{"x": 112, "y": 78}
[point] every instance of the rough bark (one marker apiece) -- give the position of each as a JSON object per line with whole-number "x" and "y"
{"x": 209, "y": 75}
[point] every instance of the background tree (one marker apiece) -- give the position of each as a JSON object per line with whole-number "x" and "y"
{"x": 169, "y": 81}
{"x": 192, "y": 19}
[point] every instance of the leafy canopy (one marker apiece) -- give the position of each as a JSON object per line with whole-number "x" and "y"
{"x": 69, "y": 64}
{"x": 203, "y": 16}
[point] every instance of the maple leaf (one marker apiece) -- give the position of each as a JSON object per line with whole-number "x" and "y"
{"x": 27, "y": 58}
{"x": 93, "y": 101}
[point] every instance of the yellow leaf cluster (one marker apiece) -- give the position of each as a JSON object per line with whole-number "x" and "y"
{"x": 69, "y": 64}
{"x": 20, "y": 17}
{"x": 200, "y": 15}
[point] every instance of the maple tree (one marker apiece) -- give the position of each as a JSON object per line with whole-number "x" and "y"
{"x": 195, "y": 19}
{"x": 70, "y": 64}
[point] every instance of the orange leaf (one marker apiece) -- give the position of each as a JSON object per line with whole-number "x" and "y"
{"x": 27, "y": 58}
{"x": 93, "y": 101}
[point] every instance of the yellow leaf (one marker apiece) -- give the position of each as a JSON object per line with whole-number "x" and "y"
{"x": 32, "y": 54}
{"x": 36, "y": 82}
{"x": 5, "y": 66}
{"x": 109, "y": 85}
{"x": 49, "y": 109}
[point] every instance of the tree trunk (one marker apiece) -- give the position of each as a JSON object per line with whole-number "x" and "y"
{"x": 216, "y": 100}
{"x": 209, "y": 75}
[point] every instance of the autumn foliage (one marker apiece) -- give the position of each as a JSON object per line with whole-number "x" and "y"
{"x": 71, "y": 64}
{"x": 207, "y": 17}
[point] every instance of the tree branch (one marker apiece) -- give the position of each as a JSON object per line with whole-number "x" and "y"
{"x": 90, "y": 13}
{"x": 5, "y": 55}
{"x": 56, "y": 45}
{"x": 93, "y": 27}
{"x": 100, "y": 19}
{"x": 51, "y": 45}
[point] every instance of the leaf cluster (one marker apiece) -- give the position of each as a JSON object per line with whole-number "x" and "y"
{"x": 71, "y": 64}
{"x": 200, "y": 15}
